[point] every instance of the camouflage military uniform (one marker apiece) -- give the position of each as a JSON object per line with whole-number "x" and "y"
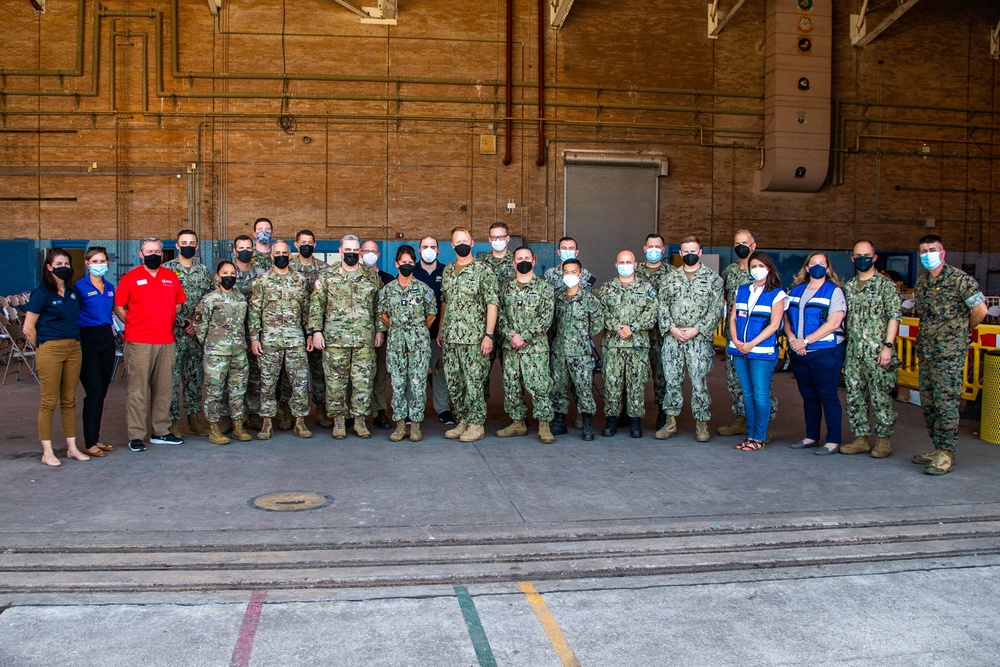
{"x": 197, "y": 282}
{"x": 408, "y": 348}
{"x": 309, "y": 272}
{"x": 261, "y": 260}
{"x": 526, "y": 310}
{"x": 943, "y": 306}
{"x": 244, "y": 286}
{"x": 342, "y": 306}
{"x": 733, "y": 277}
{"x": 656, "y": 279}
{"x": 466, "y": 294}
{"x": 577, "y": 321}
{"x": 504, "y": 270}
{"x": 554, "y": 277}
{"x": 218, "y": 322}
{"x": 689, "y": 300}
{"x": 871, "y": 305}
{"x": 626, "y": 362}
{"x": 277, "y": 317}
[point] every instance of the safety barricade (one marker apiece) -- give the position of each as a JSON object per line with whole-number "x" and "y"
{"x": 983, "y": 339}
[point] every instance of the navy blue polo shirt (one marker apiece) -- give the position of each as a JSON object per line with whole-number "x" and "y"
{"x": 57, "y": 315}
{"x": 95, "y": 307}
{"x": 432, "y": 280}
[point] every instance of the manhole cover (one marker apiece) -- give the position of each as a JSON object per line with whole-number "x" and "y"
{"x": 290, "y": 501}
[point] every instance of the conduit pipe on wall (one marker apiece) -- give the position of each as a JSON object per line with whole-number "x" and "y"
{"x": 509, "y": 95}
{"x": 541, "y": 84}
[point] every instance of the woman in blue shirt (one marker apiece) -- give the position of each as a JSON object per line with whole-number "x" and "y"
{"x": 50, "y": 324}
{"x": 97, "y": 341}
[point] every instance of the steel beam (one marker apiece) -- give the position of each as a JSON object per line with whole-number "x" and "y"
{"x": 559, "y": 10}
{"x": 718, "y": 19}
{"x": 861, "y": 36}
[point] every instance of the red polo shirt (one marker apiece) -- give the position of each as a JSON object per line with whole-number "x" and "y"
{"x": 151, "y": 303}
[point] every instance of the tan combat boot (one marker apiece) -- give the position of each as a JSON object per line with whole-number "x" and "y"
{"x": 738, "y": 427}
{"x": 254, "y": 422}
{"x": 339, "y": 430}
{"x": 267, "y": 430}
{"x": 461, "y": 427}
{"x": 361, "y": 428}
{"x": 322, "y": 418}
{"x": 215, "y": 436}
{"x": 175, "y": 429}
{"x": 284, "y": 417}
{"x": 924, "y": 459}
{"x": 701, "y": 433}
{"x": 943, "y": 462}
{"x": 578, "y": 420}
{"x": 194, "y": 425}
{"x": 545, "y": 433}
{"x": 415, "y": 434}
{"x": 300, "y": 428}
{"x": 859, "y": 445}
{"x": 513, "y": 430}
{"x": 240, "y": 431}
{"x": 225, "y": 424}
{"x": 473, "y": 433}
{"x": 400, "y": 431}
{"x": 669, "y": 429}
{"x": 883, "y": 448}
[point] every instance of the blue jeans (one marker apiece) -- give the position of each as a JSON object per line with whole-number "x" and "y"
{"x": 755, "y": 380}
{"x": 818, "y": 374}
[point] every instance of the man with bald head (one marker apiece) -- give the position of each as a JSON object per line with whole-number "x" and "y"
{"x": 629, "y": 305}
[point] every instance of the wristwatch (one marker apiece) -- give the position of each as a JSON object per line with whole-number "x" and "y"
{"x": 889, "y": 345}
{"x": 632, "y": 327}
{"x": 805, "y": 341}
{"x": 489, "y": 335}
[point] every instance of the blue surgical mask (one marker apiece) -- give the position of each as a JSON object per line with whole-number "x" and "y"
{"x": 567, "y": 254}
{"x": 626, "y": 270}
{"x": 654, "y": 255}
{"x": 930, "y": 260}
{"x": 98, "y": 270}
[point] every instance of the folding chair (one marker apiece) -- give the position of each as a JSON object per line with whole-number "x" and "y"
{"x": 21, "y": 350}
{"x": 119, "y": 330}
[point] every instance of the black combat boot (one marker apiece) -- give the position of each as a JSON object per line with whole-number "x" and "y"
{"x": 559, "y": 424}
{"x": 661, "y": 419}
{"x": 588, "y": 432}
{"x": 635, "y": 427}
{"x": 610, "y": 427}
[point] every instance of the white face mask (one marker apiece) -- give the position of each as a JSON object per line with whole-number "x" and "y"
{"x": 369, "y": 258}
{"x": 571, "y": 280}
{"x": 626, "y": 270}
{"x": 428, "y": 255}
{"x": 930, "y": 260}
{"x": 567, "y": 254}
{"x": 498, "y": 245}
{"x": 759, "y": 273}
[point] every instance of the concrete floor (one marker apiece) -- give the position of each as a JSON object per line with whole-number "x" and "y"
{"x": 644, "y": 552}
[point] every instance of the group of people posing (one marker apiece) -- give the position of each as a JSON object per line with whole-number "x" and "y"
{"x": 241, "y": 346}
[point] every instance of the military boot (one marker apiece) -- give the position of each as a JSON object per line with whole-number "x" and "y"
{"x": 701, "y": 432}
{"x": 515, "y": 429}
{"x": 339, "y": 431}
{"x": 883, "y": 447}
{"x": 473, "y": 433}
{"x": 545, "y": 433}
{"x": 588, "y": 430}
{"x": 415, "y": 434}
{"x": 175, "y": 429}
{"x": 635, "y": 427}
{"x": 284, "y": 417}
{"x": 266, "y": 430}
{"x": 943, "y": 462}
{"x": 239, "y": 432}
{"x": 382, "y": 421}
{"x": 669, "y": 429}
{"x": 610, "y": 427}
{"x": 859, "y": 445}
{"x": 225, "y": 424}
{"x": 361, "y": 428}
{"x": 738, "y": 427}
{"x": 194, "y": 425}
{"x": 924, "y": 459}
{"x": 300, "y": 428}
{"x": 661, "y": 418}
{"x": 215, "y": 436}
{"x": 578, "y": 421}
{"x": 461, "y": 427}
{"x": 254, "y": 422}
{"x": 322, "y": 419}
{"x": 400, "y": 431}
{"x": 558, "y": 426}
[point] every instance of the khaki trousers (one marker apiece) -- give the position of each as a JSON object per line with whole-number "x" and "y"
{"x": 57, "y": 363}
{"x": 150, "y": 370}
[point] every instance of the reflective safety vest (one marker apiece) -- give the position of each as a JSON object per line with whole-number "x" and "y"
{"x": 816, "y": 311}
{"x": 751, "y": 321}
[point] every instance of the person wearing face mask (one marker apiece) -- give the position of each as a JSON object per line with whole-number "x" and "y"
{"x": 733, "y": 277}
{"x": 754, "y": 320}
{"x": 197, "y": 282}
{"x": 263, "y": 231}
{"x": 407, "y": 308}
{"x": 307, "y": 265}
{"x": 469, "y": 295}
{"x": 148, "y": 300}
{"x": 51, "y": 325}
{"x": 430, "y": 272}
{"x": 97, "y": 344}
{"x": 950, "y": 307}
{"x": 690, "y": 309}
{"x": 246, "y": 274}
{"x": 578, "y": 318}
{"x": 370, "y": 255}
{"x": 277, "y": 319}
{"x": 871, "y": 367}
{"x": 629, "y": 306}
{"x": 567, "y": 249}
{"x": 499, "y": 259}
{"x": 346, "y": 327}
{"x": 525, "y": 315}
{"x": 655, "y": 271}
{"x": 813, "y": 325}
{"x": 218, "y": 325}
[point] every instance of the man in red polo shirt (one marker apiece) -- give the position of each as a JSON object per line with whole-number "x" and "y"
{"x": 147, "y": 301}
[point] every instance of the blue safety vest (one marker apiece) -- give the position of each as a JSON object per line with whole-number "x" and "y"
{"x": 816, "y": 311}
{"x": 751, "y": 321}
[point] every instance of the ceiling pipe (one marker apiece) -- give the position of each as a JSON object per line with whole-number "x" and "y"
{"x": 541, "y": 84}
{"x": 509, "y": 95}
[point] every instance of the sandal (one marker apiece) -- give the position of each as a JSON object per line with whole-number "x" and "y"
{"x": 94, "y": 451}
{"x": 751, "y": 445}
{"x": 743, "y": 445}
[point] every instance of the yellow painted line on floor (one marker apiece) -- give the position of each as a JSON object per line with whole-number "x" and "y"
{"x": 556, "y": 637}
